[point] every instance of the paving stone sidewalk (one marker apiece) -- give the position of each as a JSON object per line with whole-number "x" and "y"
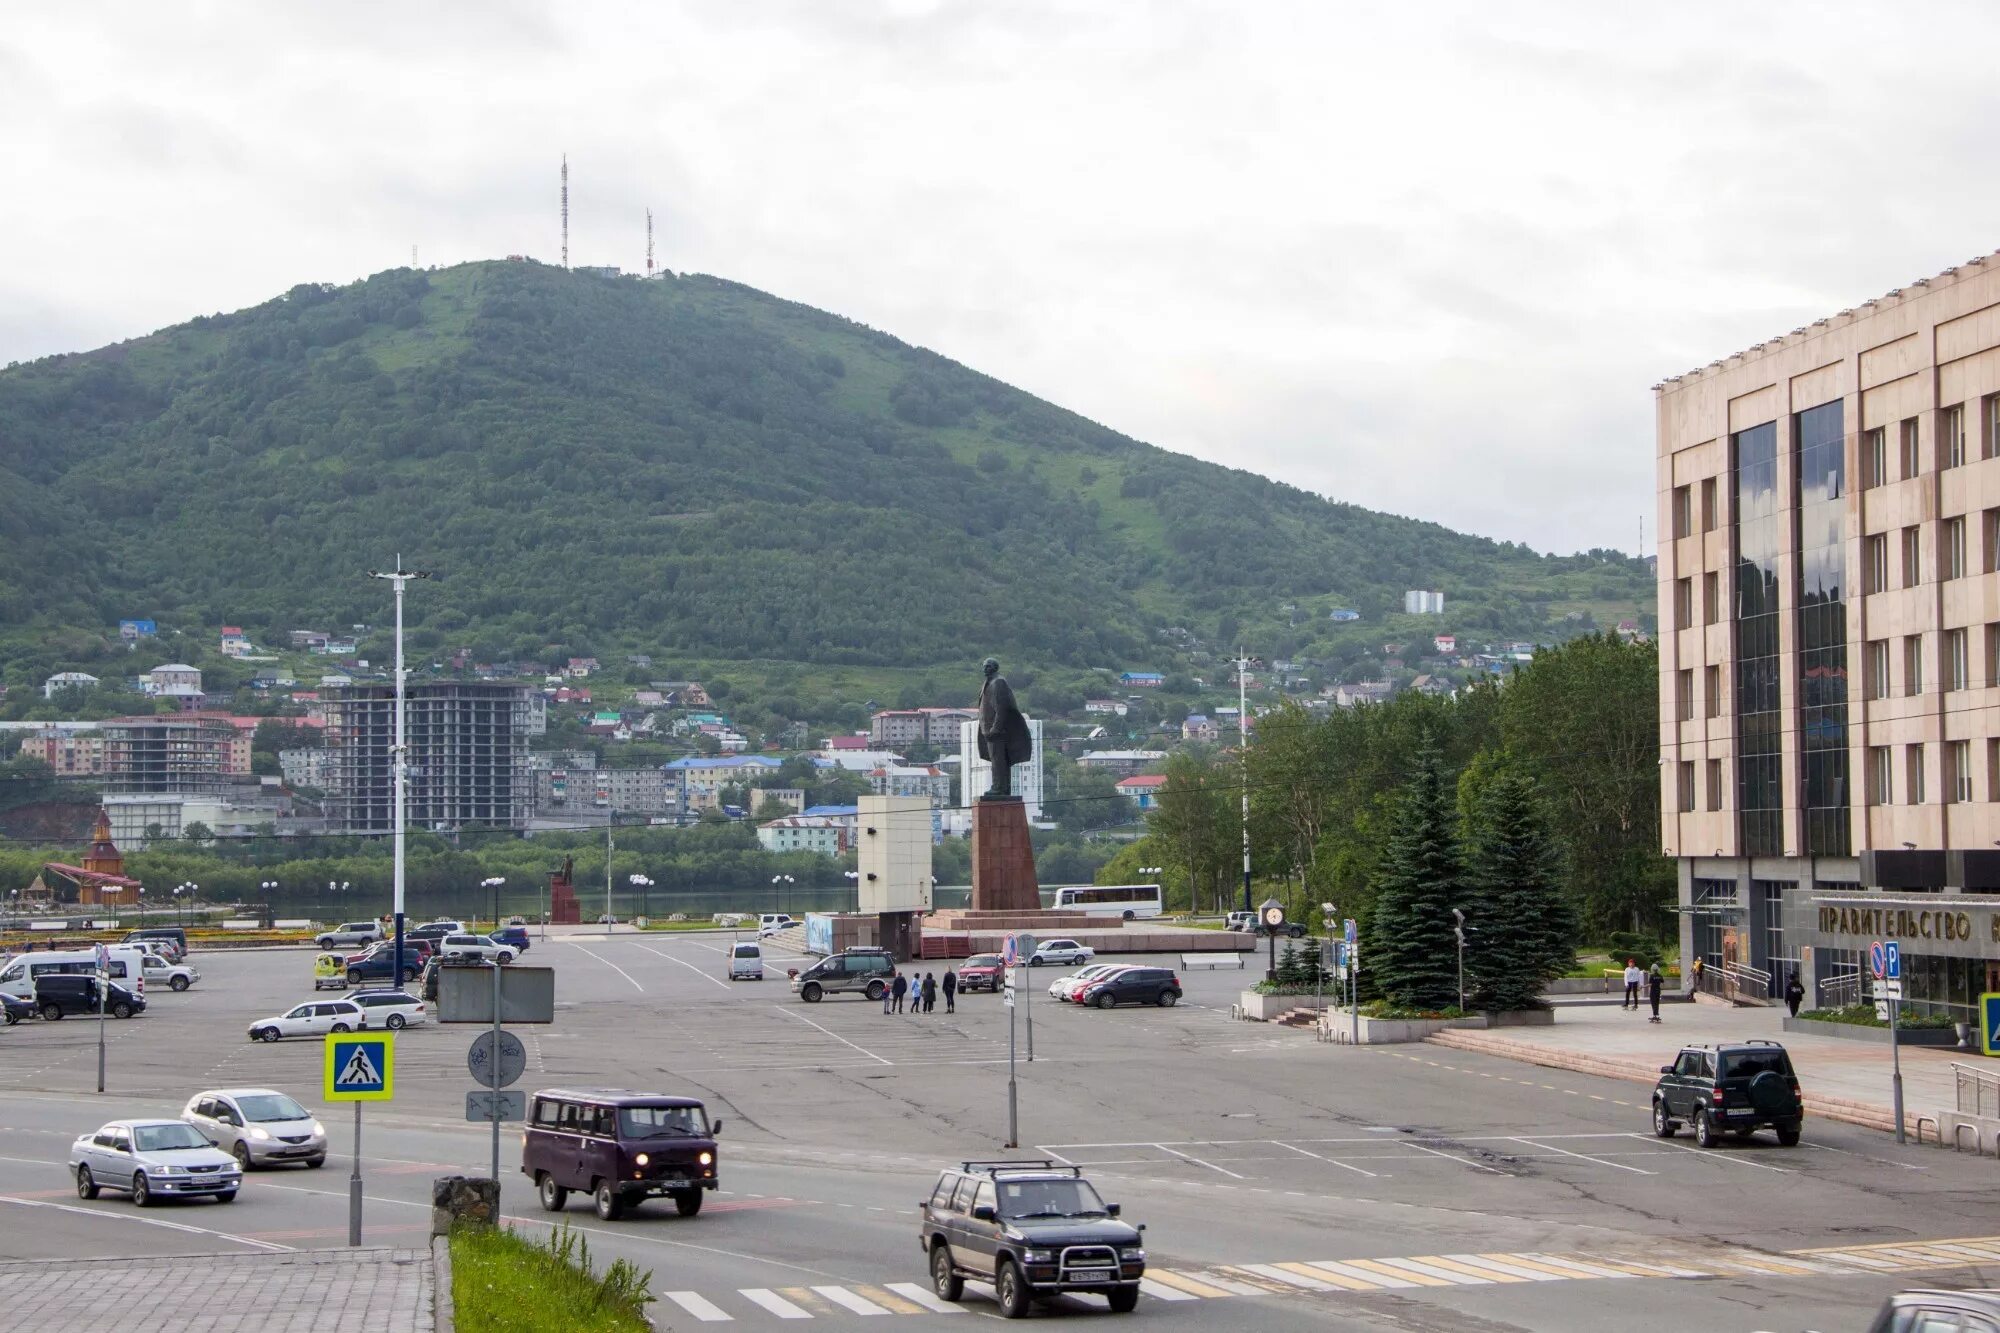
{"x": 317, "y": 1291}
{"x": 1843, "y": 1080}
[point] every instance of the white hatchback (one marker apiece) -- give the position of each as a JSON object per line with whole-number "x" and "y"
{"x": 746, "y": 962}
{"x": 315, "y": 1018}
{"x": 391, "y": 1009}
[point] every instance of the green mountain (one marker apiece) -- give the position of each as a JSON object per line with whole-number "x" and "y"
{"x": 685, "y": 467}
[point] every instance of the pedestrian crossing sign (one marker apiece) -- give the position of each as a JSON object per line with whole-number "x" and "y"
{"x": 360, "y": 1067}
{"x": 1989, "y": 1023}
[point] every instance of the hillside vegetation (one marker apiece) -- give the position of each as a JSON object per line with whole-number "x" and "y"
{"x": 685, "y": 467}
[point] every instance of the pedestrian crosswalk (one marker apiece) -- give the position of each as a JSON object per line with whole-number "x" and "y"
{"x": 1331, "y": 1278}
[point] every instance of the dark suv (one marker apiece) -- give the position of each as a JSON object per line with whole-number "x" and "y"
{"x": 1734, "y": 1087}
{"x": 860, "y": 971}
{"x": 1133, "y": 985}
{"x": 619, "y": 1147}
{"x": 1032, "y": 1229}
{"x": 57, "y": 994}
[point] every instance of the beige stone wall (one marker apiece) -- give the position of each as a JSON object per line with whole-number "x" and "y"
{"x": 1912, "y": 355}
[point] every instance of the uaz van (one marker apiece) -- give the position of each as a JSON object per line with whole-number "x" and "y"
{"x": 618, "y": 1147}
{"x": 861, "y": 971}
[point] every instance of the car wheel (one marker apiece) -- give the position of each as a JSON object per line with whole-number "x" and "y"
{"x": 875, "y": 989}
{"x": 315, "y": 1162}
{"x": 324, "y": 942}
{"x": 1105, "y": 1001}
{"x": 340, "y": 1027}
{"x": 409, "y": 975}
{"x": 1012, "y": 1290}
{"x": 226, "y": 1196}
{"x": 52, "y": 1012}
{"x": 354, "y": 976}
{"x": 121, "y": 1010}
{"x": 1169, "y": 998}
{"x": 86, "y": 1188}
{"x": 1036, "y": 961}
{"x": 241, "y": 1152}
{"x": 142, "y": 1193}
{"x": 12, "y": 1018}
{"x": 610, "y": 1203}
{"x": 1131, "y": 915}
{"x": 810, "y": 993}
{"x": 948, "y": 1285}
{"x": 689, "y": 1202}
{"x": 1704, "y": 1130}
{"x": 1124, "y": 1300}
{"x": 178, "y": 983}
{"x": 268, "y": 1034}
{"x": 1663, "y": 1125}
{"x": 1789, "y": 1134}
{"x": 554, "y": 1196}
{"x": 396, "y": 1022}
{"x": 506, "y": 956}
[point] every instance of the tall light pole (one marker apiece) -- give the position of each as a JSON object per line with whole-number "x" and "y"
{"x": 642, "y": 884}
{"x": 1243, "y": 746}
{"x": 269, "y": 886}
{"x": 399, "y": 579}
{"x": 1458, "y": 929}
{"x": 494, "y": 882}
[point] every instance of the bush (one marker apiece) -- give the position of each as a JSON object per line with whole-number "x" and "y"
{"x": 1863, "y": 1016}
{"x": 1386, "y": 1009}
{"x": 1623, "y": 944}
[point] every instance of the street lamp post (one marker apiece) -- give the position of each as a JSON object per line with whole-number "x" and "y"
{"x": 269, "y": 886}
{"x": 494, "y": 882}
{"x": 1458, "y": 929}
{"x": 399, "y": 579}
{"x": 642, "y": 884}
{"x": 787, "y": 879}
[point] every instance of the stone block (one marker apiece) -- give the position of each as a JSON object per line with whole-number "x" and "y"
{"x": 1003, "y": 858}
{"x": 463, "y": 1200}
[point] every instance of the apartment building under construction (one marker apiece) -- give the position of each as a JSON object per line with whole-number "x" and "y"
{"x": 468, "y": 756}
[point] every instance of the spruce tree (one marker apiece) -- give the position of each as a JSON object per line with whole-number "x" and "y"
{"x": 1414, "y": 957}
{"x": 1525, "y": 928}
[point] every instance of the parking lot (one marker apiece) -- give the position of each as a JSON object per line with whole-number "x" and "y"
{"x": 1326, "y": 1186}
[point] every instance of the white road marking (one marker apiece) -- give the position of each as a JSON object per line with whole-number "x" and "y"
{"x": 1713, "y": 1154}
{"x": 1433, "y": 1270}
{"x": 1462, "y": 1161}
{"x": 921, "y": 1295}
{"x": 1160, "y": 1291}
{"x": 1505, "y": 1269}
{"x": 1197, "y": 1161}
{"x": 793, "y": 1013}
{"x": 699, "y": 1306}
{"x": 1277, "y": 1274}
{"x": 608, "y": 963}
{"x": 102, "y": 1213}
{"x": 1316, "y": 1157}
{"x": 686, "y": 964}
{"x": 849, "y": 1300}
{"x": 773, "y": 1302}
{"x": 1585, "y": 1157}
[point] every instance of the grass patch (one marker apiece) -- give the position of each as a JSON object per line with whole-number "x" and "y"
{"x": 501, "y": 1283}
{"x": 1384, "y": 1009}
{"x": 1863, "y": 1016}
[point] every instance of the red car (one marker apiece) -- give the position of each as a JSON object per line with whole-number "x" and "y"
{"x": 982, "y": 971}
{"x": 413, "y": 949}
{"x": 1091, "y": 976}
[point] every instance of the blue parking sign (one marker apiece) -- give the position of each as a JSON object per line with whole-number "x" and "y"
{"x": 1893, "y": 957}
{"x": 1989, "y": 1023}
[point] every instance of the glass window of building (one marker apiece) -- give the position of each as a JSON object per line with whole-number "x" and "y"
{"x": 1957, "y": 660}
{"x": 1989, "y": 433}
{"x": 1712, "y": 689}
{"x": 1683, "y": 596}
{"x": 1951, "y": 437}
{"x": 1715, "y": 783}
{"x": 1913, "y": 664}
{"x": 1711, "y": 597}
{"x": 1821, "y": 624}
{"x": 1958, "y": 758}
{"x": 1875, "y": 458}
{"x": 1687, "y": 785}
{"x": 1993, "y": 768}
{"x": 1881, "y": 776}
{"x": 1683, "y": 511}
{"x": 1708, "y": 504}
{"x": 1913, "y": 774}
{"x": 1684, "y": 693}
{"x": 1993, "y": 653}
{"x": 1911, "y": 460}
{"x": 1758, "y": 520}
{"x": 1951, "y": 549}
{"x": 1913, "y": 557}
{"x": 1875, "y": 563}
{"x": 1878, "y": 669}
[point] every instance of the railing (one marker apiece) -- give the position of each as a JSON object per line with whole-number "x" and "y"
{"x": 1978, "y": 1091}
{"x": 1840, "y": 990}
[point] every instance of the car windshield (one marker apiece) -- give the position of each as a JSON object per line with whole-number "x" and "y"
{"x": 1049, "y": 1198}
{"x": 166, "y": 1138}
{"x": 267, "y": 1107}
{"x": 983, "y": 960}
{"x": 655, "y": 1122}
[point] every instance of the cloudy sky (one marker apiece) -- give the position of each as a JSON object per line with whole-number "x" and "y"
{"x": 1428, "y": 258}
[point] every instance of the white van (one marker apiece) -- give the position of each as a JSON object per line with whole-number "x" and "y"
{"x": 127, "y": 967}
{"x": 746, "y": 962}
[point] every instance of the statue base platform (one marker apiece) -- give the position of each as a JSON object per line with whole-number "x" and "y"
{"x": 1041, "y": 922}
{"x": 563, "y": 907}
{"x": 1003, "y": 858}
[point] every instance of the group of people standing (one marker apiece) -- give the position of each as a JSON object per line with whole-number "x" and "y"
{"x": 921, "y": 994}
{"x": 1653, "y": 980}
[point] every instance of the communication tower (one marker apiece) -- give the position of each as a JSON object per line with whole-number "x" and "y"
{"x": 565, "y": 210}
{"x": 649, "y": 242}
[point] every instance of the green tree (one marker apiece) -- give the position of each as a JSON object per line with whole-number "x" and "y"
{"x": 1089, "y": 800}
{"x": 1193, "y": 825}
{"x": 1525, "y": 929}
{"x": 1412, "y": 952}
{"x": 197, "y": 834}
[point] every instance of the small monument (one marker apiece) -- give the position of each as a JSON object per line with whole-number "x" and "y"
{"x": 563, "y": 908}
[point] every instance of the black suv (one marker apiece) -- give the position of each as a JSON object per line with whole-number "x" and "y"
{"x": 1133, "y": 985}
{"x": 1735, "y": 1087}
{"x": 1034, "y": 1230}
{"x": 68, "y": 993}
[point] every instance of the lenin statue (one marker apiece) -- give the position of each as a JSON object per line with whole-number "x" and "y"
{"x": 1003, "y": 732}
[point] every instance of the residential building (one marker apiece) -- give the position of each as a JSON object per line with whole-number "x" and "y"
{"x": 67, "y": 680}
{"x": 792, "y": 798}
{"x": 684, "y": 693}
{"x": 711, "y": 773}
{"x": 1122, "y": 762}
{"x": 918, "y": 726}
{"x": 1142, "y": 789}
{"x": 234, "y": 642}
{"x": 978, "y": 773}
{"x": 197, "y": 753}
{"x": 633, "y": 791}
{"x": 131, "y": 631}
{"x": 1828, "y": 782}
{"x": 927, "y": 780}
{"x": 174, "y": 680}
{"x": 71, "y": 753}
{"x": 467, "y": 756}
{"x": 306, "y": 767}
{"x": 1419, "y": 603}
{"x": 855, "y": 742}
{"x": 1445, "y": 644}
{"x": 1343, "y": 615}
{"x": 827, "y": 835}
{"x": 1200, "y": 729}
{"x": 1142, "y": 680}
{"x": 1116, "y": 707}
{"x": 856, "y": 760}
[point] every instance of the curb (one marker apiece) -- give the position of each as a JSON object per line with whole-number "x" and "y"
{"x": 1865, "y": 1114}
{"x": 443, "y": 1316}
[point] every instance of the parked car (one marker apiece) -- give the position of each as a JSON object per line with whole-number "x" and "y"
{"x": 1938, "y": 1311}
{"x": 74, "y": 993}
{"x": 1061, "y": 951}
{"x": 446, "y": 925}
{"x": 433, "y": 931}
{"x": 380, "y": 964}
{"x": 857, "y": 971}
{"x": 315, "y": 1018}
{"x": 349, "y": 932}
{"x": 257, "y": 1126}
{"x": 1034, "y": 1230}
{"x": 412, "y": 948}
{"x": 172, "y": 939}
{"x": 174, "y": 976}
{"x": 770, "y": 923}
{"x": 982, "y": 971}
{"x": 152, "y": 1159}
{"x": 1734, "y": 1087}
{"x": 619, "y": 1148}
{"x": 392, "y": 1009}
{"x": 1067, "y": 988}
{"x": 1132, "y": 985}
{"x": 514, "y": 937}
{"x": 476, "y": 946}
{"x": 14, "y": 1009}
{"x": 746, "y": 962}
{"x": 329, "y": 972}
{"x": 1248, "y": 922}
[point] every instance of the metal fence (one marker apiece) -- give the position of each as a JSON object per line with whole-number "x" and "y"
{"x": 1978, "y": 1090}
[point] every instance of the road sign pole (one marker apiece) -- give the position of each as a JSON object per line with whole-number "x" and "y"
{"x": 103, "y": 986}
{"x": 354, "y": 1185}
{"x": 1896, "y": 1066}
{"x": 1013, "y": 1097}
{"x": 1027, "y": 1006}
{"x": 496, "y": 1100}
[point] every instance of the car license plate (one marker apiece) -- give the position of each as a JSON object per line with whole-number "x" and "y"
{"x": 1090, "y": 1277}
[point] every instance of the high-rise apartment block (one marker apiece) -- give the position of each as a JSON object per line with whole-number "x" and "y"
{"x": 468, "y": 756}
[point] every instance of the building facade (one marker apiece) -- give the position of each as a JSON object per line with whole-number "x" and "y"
{"x": 978, "y": 773}
{"x": 70, "y": 753}
{"x": 1829, "y": 581}
{"x": 468, "y": 756}
{"x": 1418, "y": 602}
{"x": 823, "y": 834}
{"x": 918, "y": 726}
{"x": 187, "y": 753}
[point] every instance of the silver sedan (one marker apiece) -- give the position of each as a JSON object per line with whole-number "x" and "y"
{"x": 151, "y": 1159}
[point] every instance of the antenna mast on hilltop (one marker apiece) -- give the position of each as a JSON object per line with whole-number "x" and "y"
{"x": 649, "y": 242}
{"x": 565, "y": 211}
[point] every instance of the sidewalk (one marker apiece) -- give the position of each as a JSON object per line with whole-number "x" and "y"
{"x": 1842, "y": 1080}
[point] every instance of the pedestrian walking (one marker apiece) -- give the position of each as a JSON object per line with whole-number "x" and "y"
{"x": 1633, "y": 976}
{"x": 1694, "y": 978}
{"x": 1795, "y": 991}
{"x": 1656, "y": 981}
{"x": 888, "y": 997}
{"x": 930, "y": 991}
{"x": 950, "y": 992}
{"x": 901, "y": 988}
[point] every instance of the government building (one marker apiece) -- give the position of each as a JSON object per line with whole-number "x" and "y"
{"x": 1829, "y": 570}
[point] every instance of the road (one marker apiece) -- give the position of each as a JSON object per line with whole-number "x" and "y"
{"x": 1284, "y": 1183}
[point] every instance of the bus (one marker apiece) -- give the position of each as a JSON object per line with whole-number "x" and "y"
{"x": 1130, "y": 901}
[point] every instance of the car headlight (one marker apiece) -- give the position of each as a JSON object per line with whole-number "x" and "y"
{"x": 707, "y": 1158}
{"x": 642, "y": 1159}
{"x": 1131, "y": 1252}
{"x": 259, "y": 1133}
{"x": 1040, "y": 1256}
{"x": 167, "y": 1171}
{"x": 320, "y": 1129}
